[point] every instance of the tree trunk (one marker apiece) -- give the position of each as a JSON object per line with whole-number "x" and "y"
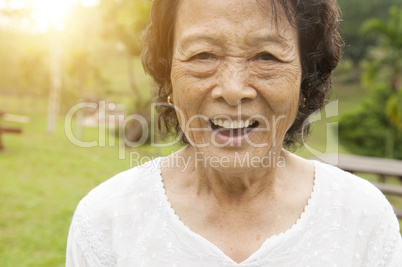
{"x": 134, "y": 130}
{"x": 80, "y": 114}
{"x": 55, "y": 83}
{"x": 132, "y": 80}
{"x": 395, "y": 80}
{"x": 389, "y": 144}
{"x": 355, "y": 72}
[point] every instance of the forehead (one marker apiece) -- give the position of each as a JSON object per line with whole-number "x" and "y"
{"x": 236, "y": 17}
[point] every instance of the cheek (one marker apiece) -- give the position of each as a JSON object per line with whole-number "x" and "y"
{"x": 188, "y": 93}
{"x": 289, "y": 99}
{"x": 188, "y": 90}
{"x": 177, "y": 76}
{"x": 281, "y": 89}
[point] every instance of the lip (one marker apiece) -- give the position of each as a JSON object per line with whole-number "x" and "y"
{"x": 232, "y": 141}
{"x": 233, "y": 118}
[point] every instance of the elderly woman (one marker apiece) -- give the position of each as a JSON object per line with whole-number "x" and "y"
{"x": 240, "y": 77}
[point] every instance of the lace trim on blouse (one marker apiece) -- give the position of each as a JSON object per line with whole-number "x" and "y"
{"x": 298, "y": 225}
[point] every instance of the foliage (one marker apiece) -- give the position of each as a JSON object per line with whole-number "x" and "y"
{"x": 23, "y": 63}
{"x": 374, "y": 129}
{"x": 124, "y": 21}
{"x": 393, "y": 109}
{"x": 83, "y": 74}
{"x": 367, "y": 131}
{"x": 388, "y": 58}
{"x": 354, "y": 14}
{"x": 34, "y": 70}
{"x": 93, "y": 66}
{"x": 388, "y": 54}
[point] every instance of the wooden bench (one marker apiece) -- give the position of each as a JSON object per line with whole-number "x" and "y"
{"x": 378, "y": 166}
{"x": 13, "y": 130}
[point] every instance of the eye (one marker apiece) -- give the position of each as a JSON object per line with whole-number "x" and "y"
{"x": 204, "y": 56}
{"x": 266, "y": 57}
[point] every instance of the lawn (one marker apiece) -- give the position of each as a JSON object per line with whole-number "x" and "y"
{"x": 44, "y": 176}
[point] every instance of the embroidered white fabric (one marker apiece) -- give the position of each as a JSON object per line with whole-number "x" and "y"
{"x": 128, "y": 221}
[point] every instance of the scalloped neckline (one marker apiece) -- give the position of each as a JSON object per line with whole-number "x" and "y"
{"x": 300, "y": 222}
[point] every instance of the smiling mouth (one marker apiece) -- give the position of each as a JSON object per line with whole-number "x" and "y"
{"x": 231, "y": 128}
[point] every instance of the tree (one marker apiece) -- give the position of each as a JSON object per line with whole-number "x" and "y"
{"x": 34, "y": 71}
{"x": 388, "y": 58}
{"x": 124, "y": 21}
{"x": 389, "y": 49}
{"x": 380, "y": 117}
{"x": 354, "y": 14}
{"x": 366, "y": 131}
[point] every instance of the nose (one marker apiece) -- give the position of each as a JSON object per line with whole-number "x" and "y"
{"x": 234, "y": 85}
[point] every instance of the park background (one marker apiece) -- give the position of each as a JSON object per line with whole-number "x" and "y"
{"x": 55, "y": 54}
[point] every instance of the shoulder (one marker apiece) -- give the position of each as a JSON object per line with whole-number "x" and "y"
{"x": 353, "y": 199}
{"x": 109, "y": 209}
{"x": 360, "y": 210}
{"x": 116, "y": 203}
{"x": 127, "y": 195}
{"x": 123, "y": 188}
{"x": 357, "y": 192}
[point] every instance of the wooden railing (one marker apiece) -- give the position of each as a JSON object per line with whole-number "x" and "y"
{"x": 378, "y": 166}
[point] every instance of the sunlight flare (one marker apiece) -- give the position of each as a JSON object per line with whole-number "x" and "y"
{"x": 52, "y": 14}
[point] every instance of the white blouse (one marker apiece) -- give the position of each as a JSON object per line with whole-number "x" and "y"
{"x": 128, "y": 221}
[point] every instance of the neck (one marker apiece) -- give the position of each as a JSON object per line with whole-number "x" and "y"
{"x": 238, "y": 185}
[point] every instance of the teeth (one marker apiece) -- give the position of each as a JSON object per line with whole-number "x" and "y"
{"x": 233, "y": 124}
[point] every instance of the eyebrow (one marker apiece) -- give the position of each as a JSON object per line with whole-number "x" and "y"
{"x": 197, "y": 37}
{"x": 253, "y": 41}
{"x": 267, "y": 38}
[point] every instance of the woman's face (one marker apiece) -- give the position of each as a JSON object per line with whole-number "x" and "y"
{"x": 236, "y": 78}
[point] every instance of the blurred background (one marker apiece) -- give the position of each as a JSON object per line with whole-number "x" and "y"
{"x": 55, "y": 54}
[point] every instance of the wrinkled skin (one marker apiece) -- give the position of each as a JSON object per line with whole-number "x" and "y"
{"x": 232, "y": 52}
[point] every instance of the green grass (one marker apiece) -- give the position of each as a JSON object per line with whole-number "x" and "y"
{"x": 44, "y": 176}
